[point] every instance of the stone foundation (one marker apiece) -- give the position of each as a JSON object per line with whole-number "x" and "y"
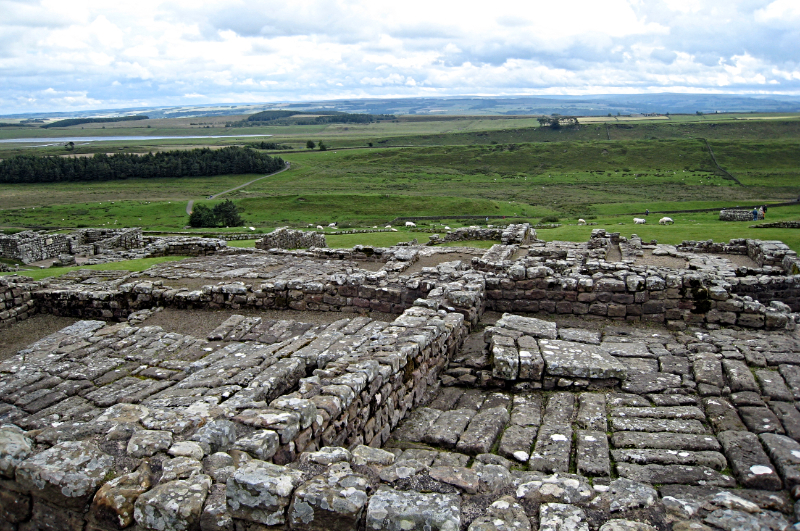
{"x": 736, "y": 215}
{"x": 286, "y": 238}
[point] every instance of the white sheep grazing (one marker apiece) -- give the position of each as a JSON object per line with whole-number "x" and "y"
{"x": 665, "y": 221}
{"x": 394, "y": 230}
{"x": 446, "y": 227}
{"x": 410, "y": 224}
{"x": 581, "y": 221}
{"x": 320, "y": 227}
{"x": 332, "y": 225}
{"x": 388, "y": 227}
{"x": 639, "y": 221}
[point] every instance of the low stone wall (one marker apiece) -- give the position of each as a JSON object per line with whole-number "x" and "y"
{"x": 521, "y": 234}
{"x": 286, "y": 238}
{"x": 736, "y": 215}
{"x": 184, "y": 247}
{"x": 28, "y": 246}
{"x": 16, "y": 301}
{"x": 778, "y": 225}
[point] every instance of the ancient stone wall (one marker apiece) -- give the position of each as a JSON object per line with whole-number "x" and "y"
{"x": 736, "y": 215}
{"x": 779, "y": 225}
{"x": 521, "y": 233}
{"x": 16, "y": 301}
{"x": 286, "y": 238}
{"x": 28, "y": 246}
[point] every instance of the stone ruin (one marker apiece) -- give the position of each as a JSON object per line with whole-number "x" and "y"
{"x": 736, "y": 215}
{"x": 520, "y": 234}
{"x": 286, "y": 238}
{"x": 629, "y": 396}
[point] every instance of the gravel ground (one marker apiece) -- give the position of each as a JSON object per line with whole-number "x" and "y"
{"x": 436, "y": 259}
{"x": 19, "y": 335}
{"x": 661, "y": 261}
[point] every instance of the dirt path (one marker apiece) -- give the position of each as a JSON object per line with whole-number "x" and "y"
{"x": 190, "y": 204}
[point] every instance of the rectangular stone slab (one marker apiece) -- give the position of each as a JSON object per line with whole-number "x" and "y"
{"x": 681, "y": 474}
{"x": 579, "y": 360}
{"x": 653, "y": 456}
{"x": 748, "y": 460}
{"x": 447, "y": 429}
{"x": 592, "y": 412}
{"x": 529, "y": 326}
{"x": 592, "y": 453}
{"x": 674, "y": 412}
{"x": 656, "y": 425}
{"x": 667, "y": 441}
{"x": 516, "y": 442}
{"x": 552, "y": 450}
{"x": 483, "y": 430}
{"x": 785, "y": 453}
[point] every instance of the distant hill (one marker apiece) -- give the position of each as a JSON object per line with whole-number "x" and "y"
{"x": 591, "y": 105}
{"x": 78, "y": 121}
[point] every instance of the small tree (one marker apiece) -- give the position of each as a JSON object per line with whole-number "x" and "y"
{"x": 310, "y": 144}
{"x": 227, "y": 214}
{"x": 322, "y": 147}
{"x": 202, "y": 216}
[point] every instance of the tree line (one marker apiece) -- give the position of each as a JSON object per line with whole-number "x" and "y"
{"x": 78, "y": 121}
{"x": 316, "y": 117}
{"x": 101, "y": 167}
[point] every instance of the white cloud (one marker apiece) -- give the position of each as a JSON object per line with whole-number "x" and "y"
{"x": 96, "y": 53}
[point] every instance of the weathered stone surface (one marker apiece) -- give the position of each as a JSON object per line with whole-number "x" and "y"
{"x": 760, "y": 420}
{"x": 333, "y": 501}
{"x": 531, "y": 363}
{"x": 447, "y": 429}
{"x": 643, "y": 383}
{"x": 505, "y": 514}
{"x": 215, "y": 516}
{"x": 260, "y": 492}
{"x": 516, "y": 442}
{"x": 739, "y": 376}
{"x": 552, "y": 450}
{"x": 186, "y": 449}
{"x": 460, "y": 477}
{"x": 557, "y": 488}
{"x": 683, "y": 474}
{"x": 785, "y": 453}
{"x": 562, "y": 517}
{"x": 633, "y": 349}
{"x": 674, "y": 412}
{"x": 731, "y": 520}
{"x": 216, "y": 436}
{"x": 667, "y": 441}
{"x": 591, "y": 453}
{"x": 773, "y": 386}
{"x": 261, "y": 444}
{"x": 67, "y": 474}
{"x": 113, "y": 503}
{"x": 393, "y": 510}
{"x": 15, "y": 447}
{"x": 180, "y": 468}
{"x": 173, "y": 506}
{"x": 592, "y": 412}
{"x": 366, "y": 455}
{"x": 15, "y": 505}
{"x": 624, "y": 495}
{"x": 791, "y": 375}
{"x": 579, "y": 360}
{"x": 529, "y": 326}
{"x": 144, "y": 443}
{"x": 722, "y": 415}
{"x": 579, "y": 335}
{"x": 748, "y": 461}
{"x": 656, "y": 425}
{"x": 505, "y": 362}
{"x": 483, "y": 430}
{"x": 648, "y": 456}
{"x": 789, "y": 416}
{"x": 708, "y": 370}
{"x": 625, "y": 525}
{"x": 414, "y": 427}
{"x": 527, "y": 410}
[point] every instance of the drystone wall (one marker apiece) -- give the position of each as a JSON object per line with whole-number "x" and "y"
{"x": 736, "y": 215}
{"x": 16, "y": 300}
{"x": 28, "y": 246}
{"x": 286, "y": 238}
{"x": 521, "y": 233}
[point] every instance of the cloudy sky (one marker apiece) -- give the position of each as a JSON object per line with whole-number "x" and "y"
{"x": 60, "y": 55}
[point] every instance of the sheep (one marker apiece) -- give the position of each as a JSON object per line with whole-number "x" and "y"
{"x": 639, "y": 221}
{"x": 320, "y": 227}
{"x": 393, "y": 230}
{"x": 665, "y": 221}
{"x": 446, "y": 227}
{"x": 410, "y": 224}
{"x": 581, "y": 221}
{"x": 388, "y": 227}
{"x": 332, "y": 225}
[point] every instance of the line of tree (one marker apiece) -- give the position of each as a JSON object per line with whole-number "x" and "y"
{"x": 268, "y": 145}
{"x": 557, "y": 121}
{"x": 79, "y": 121}
{"x": 101, "y": 167}
{"x": 224, "y": 214}
{"x": 316, "y": 117}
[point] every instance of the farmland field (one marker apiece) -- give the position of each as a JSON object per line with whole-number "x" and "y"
{"x": 605, "y": 170}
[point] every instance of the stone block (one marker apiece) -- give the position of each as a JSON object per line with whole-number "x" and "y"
{"x": 393, "y": 510}
{"x": 173, "y": 506}
{"x": 260, "y": 492}
{"x": 333, "y": 501}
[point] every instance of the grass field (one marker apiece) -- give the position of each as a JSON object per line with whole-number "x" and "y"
{"x": 605, "y": 170}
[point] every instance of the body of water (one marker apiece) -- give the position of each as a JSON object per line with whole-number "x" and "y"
{"x": 76, "y": 139}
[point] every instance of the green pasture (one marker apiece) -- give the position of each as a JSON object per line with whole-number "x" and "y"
{"x": 128, "y": 265}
